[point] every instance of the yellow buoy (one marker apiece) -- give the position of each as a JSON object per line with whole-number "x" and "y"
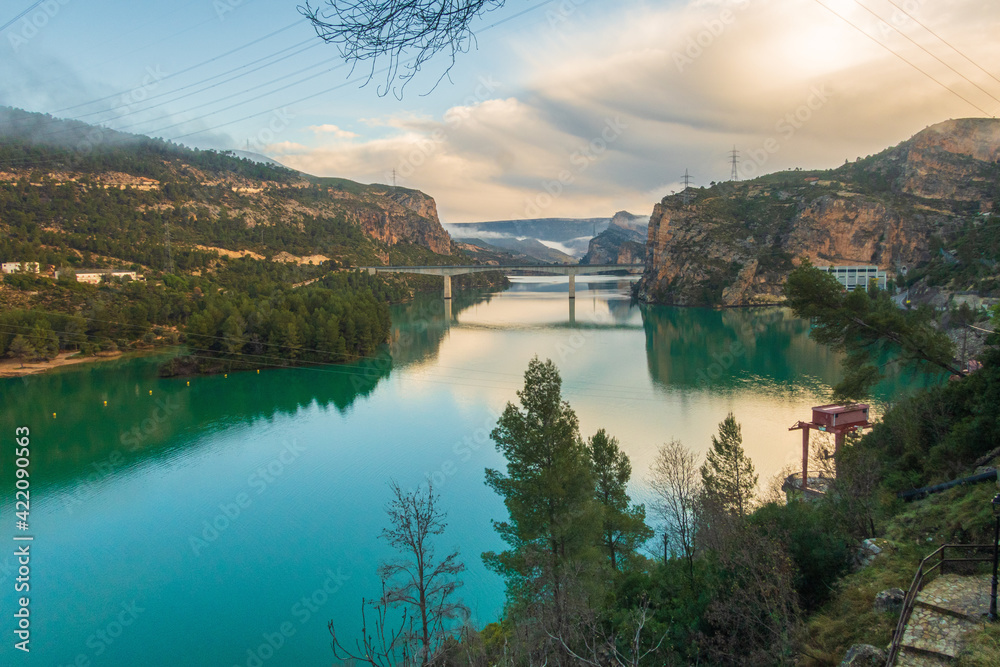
{"x": 53, "y": 415}
{"x": 105, "y": 404}
{"x": 150, "y": 392}
{"x": 189, "y": 383}
{"x": 225, "y": 375}
{"x": 258, "y": 371}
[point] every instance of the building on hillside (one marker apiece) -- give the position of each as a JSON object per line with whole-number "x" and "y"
{"x": 94, "y": 276}
{"x": 857, "y": 276}
{"x": 20, "y": 267}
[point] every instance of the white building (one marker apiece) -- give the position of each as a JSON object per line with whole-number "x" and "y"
{"x": 20, "y": 267}
{"x": 857, "y": 276}
{"x": 94, "y": 276}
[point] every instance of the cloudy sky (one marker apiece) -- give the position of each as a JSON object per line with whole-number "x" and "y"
{"x": 568, "y": 108}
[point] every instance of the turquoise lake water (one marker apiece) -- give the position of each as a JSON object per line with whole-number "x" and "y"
{"x": 187, "y": 526}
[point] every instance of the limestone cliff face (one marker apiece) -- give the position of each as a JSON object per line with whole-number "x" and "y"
{"x": 733, "y": 244}
{"x": 406, "y": 216}
{"x": 937, "y": 161}
{"x": 621, "y": 243}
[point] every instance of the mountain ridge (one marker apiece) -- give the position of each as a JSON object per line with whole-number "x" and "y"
{"x": 734, "y": 243}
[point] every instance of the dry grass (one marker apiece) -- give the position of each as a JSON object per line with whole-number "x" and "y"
{"x": 959, "y": 515}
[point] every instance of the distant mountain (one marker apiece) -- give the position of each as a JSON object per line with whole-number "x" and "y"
{"x": 529, "y": 248}
{"x": 623, "y": 242}
{"x": 734, "y": 243}
{"x": 568, "y": 236}
{"x": 547, "y": 229}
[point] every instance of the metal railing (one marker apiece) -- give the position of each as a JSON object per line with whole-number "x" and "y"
{"x": 934, "y": 562}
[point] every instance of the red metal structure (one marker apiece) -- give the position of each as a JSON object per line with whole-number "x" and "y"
{"x": 837, "y": 419}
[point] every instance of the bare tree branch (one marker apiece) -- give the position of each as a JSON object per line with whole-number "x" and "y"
{"x": 387, "y": 31}
{"x": 677, "y": 482}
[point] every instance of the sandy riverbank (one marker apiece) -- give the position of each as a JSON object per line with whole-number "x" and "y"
{"x": 10, "y": 368}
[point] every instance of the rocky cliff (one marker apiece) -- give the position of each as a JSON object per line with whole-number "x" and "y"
{"x": 408, "y": 216}
{"x": 734, "y": 243}
{"x": 623, "y": 242}
{"x": 299, "y": 209}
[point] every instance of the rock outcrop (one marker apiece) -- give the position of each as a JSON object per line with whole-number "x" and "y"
{"x": 734, "y": 243}
{"x": 890, "y": 599}
{"x": 623, "y": 242}
{"x": 408, "y": 216}
{"x": 864, "y": 655}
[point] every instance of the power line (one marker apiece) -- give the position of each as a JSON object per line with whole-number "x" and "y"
{"x": 19, "y": 16}
{"x": 283, "y": 77}
{"x": 188, "y": 69}
{"x": 358, "y": 79}
{"x": 901, "y": 57}
{"x": 949, "y": 44}
{"x": 119, "y": 58}
{"x": 252, "y": 99}
{"x": 271, "y": 110}
{"x": 925, "y": 50}
{"x": 69, "y": 130}
{"x": 312, "y": 44}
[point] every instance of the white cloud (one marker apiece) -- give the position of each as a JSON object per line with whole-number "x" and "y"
{"x": 332, "y": 130}
{"x": 284, "y": 147}
{"x": 610, "y": 115}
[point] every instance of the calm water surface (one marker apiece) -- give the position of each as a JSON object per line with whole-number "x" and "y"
{"x": 187, "y": 526}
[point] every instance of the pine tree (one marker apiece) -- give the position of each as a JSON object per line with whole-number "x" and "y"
{"x": 21, "y": 349}
{"x": 44, "y": 340}
{"x": 623, "y": 525}
{"x": 869, "y": 327}
{"x": 728, "y": 475}
{"x": 549, "y": 493}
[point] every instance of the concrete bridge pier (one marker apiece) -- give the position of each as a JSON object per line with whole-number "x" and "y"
{"x": 572, "y": 312}
{"x": 572, "y": 285}
{"x": 447, "y": 288}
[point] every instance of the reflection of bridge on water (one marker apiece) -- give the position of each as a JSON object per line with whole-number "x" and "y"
{"x": 571, "y": 270}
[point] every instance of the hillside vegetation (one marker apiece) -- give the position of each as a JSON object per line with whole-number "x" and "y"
{"x": 244, "y": 256}
{"x": 926, "y": 211}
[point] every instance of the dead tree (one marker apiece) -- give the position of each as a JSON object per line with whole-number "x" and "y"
{"x": 677, "y": 483}
{"x": 601, "y": 647}
{"x": 382, "y": 646}
{"x": 420, "y": 582}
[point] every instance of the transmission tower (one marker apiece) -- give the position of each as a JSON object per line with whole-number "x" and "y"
{"x": 735, "y": 157}
{"x": 394, "y": 178}
{"x": 685, "y": 194}
{"x": 170, "y": 254}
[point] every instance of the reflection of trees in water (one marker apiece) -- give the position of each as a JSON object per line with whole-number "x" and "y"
{"x": 419, "y": 326}
{"x": 89, "y": 439}
{"x": 706, "y": 347}
{"x": 700, "y": 347}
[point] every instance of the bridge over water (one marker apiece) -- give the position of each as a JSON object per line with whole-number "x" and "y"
{"x": 571, "y": 270}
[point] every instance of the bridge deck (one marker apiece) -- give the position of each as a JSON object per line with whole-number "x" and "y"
{"x": 571, "y": 270}
{"x": 507, "y": 267}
